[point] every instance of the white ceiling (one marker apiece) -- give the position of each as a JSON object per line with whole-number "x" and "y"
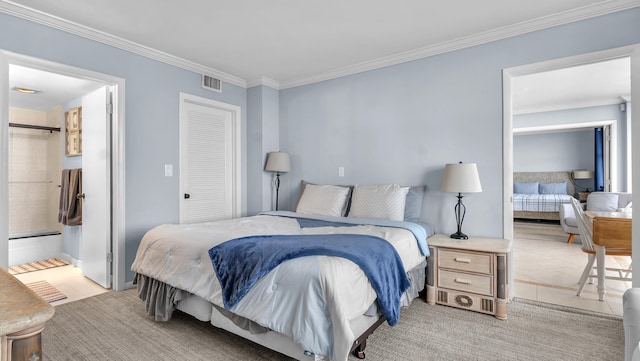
{"x": 51, "y": 89}
{"x": 602, "y": 83}
{"x": 284, "y": 43}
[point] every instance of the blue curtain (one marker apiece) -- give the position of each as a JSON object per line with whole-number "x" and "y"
{"x": 598, "y": 179}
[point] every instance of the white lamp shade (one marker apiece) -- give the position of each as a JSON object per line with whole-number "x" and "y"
{"x": 582, "y": 174}
{"x": 278, "y": 162}
{"x": 461, "y": 178}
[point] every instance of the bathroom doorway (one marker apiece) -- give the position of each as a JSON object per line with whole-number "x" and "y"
{"x": 113, "y": 137}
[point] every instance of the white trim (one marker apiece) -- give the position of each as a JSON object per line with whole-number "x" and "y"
{"x": 55, "y": 22}
{"x": 559, "y": 127}
{"x": 629, "y": 149}
{"x": 586, "y": 12}
{"x": 263, "y": 80}
{"x": 236, "y": 112}
{"x": 4, "y": 161}
{"x": 117, "y": 151}
{"x": 575, "y": 105}
{"x": 635, "y": 136}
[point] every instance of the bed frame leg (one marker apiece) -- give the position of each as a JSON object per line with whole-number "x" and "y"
{"x": 361, "y": 342}
{"x": 359, "y": 350}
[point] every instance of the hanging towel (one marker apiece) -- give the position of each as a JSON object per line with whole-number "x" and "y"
{"x": 63, "y": 205}
{"x": 74, "y": 215}
{"x": 70, "y": 209}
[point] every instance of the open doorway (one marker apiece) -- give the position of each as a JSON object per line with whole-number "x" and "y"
{"x": 67, "y": 86}
{"x": 553, "y": 135}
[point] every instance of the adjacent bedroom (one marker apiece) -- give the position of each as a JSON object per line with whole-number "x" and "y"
{"x": 570, "y": 142}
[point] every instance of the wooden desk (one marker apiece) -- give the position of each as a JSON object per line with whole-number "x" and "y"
{"x": 22, "y": 318}
{"x": 612, "y": 231}
{"x": 593, "y": 214}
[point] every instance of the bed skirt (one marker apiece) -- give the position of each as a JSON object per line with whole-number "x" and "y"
{"x": 161, "y": 299}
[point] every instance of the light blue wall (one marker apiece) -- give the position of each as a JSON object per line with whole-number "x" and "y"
{"x": 403, "y": 123}
{"x": 152, "y": 101}
{"x": 262, "y": 137}
{"x": 553, "y": 152}
{"x": 566, "y": 151}
{"x": 71, "y": 235}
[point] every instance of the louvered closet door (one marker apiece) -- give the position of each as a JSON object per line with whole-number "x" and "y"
{"x": 206, "y": 162}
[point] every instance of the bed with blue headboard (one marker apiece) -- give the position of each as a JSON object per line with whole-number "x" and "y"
{"x": 538, "y": 195}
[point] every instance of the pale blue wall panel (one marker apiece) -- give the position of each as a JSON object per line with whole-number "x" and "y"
{"x": 403, "y": 123}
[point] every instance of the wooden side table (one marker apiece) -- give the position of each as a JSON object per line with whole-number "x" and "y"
{"x": 469, "y": 274}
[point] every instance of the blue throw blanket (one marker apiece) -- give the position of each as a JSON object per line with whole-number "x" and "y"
{"x": 421, "y": 231}
{"x": 240, "y": 262}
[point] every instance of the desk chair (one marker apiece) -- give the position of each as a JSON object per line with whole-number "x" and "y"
{"x": 612, "y": 243}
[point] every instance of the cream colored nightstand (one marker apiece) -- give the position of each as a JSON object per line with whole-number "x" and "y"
{"x": 470, "y": 274}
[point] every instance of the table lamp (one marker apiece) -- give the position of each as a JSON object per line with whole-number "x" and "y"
{"x": 278, "y": 162}
{"x": 461, "y": 178}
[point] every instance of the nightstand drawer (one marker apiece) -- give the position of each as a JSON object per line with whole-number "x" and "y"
{"x": 465, "y": 261}
{"x": 474, "y": 283}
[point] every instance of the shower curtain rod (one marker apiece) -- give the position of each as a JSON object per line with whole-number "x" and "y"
{"x": 31, "y": 126}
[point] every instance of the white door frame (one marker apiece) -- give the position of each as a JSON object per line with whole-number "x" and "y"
{"x": 117, "y": 156}
{"x": 633, "y": 52}
{"x": 236, "y": 112}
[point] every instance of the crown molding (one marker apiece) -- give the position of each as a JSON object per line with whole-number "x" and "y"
{"x": 569, "y": 106}
{"x": 562, "y": 18}
{"x": 55, "y": 22}
{"x": 263, "y": 80}
{"x": 566, "y": 17}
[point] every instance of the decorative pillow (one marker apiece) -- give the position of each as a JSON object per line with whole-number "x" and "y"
{"x": 525, "y": 187}
{"x": 413, "y": 203}
{"x": 326, "y": 200}
{"x": 553, "y": 188}
{"x": 303, "y": 185}
{"x": 379, "y": 201}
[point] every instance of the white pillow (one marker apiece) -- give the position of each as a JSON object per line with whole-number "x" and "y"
{"x": 378, "y": 201}
{"x": 326, "y": 200}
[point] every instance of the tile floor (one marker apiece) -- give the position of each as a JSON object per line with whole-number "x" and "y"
{"x": 68, "y": 280}
{"x": 547, "y": 269}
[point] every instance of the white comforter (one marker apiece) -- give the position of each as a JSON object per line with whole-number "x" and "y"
{"x": 326, "y": 292}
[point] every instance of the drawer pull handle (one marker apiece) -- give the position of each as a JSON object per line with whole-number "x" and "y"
{"x": 463, "y": 281}
{"x": 462, "y": 260}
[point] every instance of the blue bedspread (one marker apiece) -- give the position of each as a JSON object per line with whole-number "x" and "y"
{"x": 240, "y": 262}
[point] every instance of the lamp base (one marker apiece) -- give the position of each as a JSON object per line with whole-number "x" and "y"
{"x": 459, "y": 235}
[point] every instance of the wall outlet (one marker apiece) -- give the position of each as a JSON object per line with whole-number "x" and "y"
{"x": 340, "y": 171}
{"x": 168, "y": 170}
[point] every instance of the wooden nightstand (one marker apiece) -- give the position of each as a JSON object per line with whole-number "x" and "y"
{"x": 470, "y": 274}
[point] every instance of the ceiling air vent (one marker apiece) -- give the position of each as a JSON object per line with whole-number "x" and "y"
{"x": 211, "y": 83}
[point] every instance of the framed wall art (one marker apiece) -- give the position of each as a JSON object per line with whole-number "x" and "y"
{"x": 73, "y": 131}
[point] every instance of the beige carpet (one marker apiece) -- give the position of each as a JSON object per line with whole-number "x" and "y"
{"x": 113, "y": 326}
{"x": 46, "y": 291}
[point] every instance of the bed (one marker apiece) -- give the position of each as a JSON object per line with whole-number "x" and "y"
{"x": 538, "y": 195}
{"x": 320, "y": 305}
